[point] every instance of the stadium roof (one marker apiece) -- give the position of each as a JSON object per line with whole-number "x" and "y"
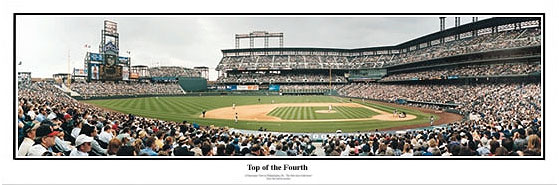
{"x": 486, "y": 23}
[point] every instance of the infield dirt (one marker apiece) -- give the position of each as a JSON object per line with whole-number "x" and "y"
{"x": 259, "y": 112}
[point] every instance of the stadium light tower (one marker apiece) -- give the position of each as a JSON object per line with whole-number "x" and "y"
{"x": 456, "y": 24}
{"x": 442, "y": 20}
{"x": 474, "y": 33}
{"x": 258, "y": 34}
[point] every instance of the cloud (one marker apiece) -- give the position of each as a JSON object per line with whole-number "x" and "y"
{"x": 43, "y": 43}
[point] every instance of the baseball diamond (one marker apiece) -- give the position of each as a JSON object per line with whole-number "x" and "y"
{"x": 312, "y": 113}
{"x": 297, "y": 111}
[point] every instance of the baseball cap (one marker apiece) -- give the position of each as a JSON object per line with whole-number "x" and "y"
{"x": 83, "y": 139}
{"x": 182, "y": 140}
{"x": 46, "y": 130}
{"x": 27, "y": 127}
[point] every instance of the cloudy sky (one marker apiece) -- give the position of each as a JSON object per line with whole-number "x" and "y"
{"x": 43, "y": 43}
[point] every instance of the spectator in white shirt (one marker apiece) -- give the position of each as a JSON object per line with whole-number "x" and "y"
{"x": 77, "y": 129}
{"x": 29, "y": 128}
{"x": 106, "y": 135}
{"x": 44, "y": 142}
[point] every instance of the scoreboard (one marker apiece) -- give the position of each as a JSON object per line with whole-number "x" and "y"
{"x": 367, "y": 74}
{"x": 107, "y": 65}
{"x": 111, "y": 73}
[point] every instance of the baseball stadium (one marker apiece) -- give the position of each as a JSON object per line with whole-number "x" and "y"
{"x": 469, "y": 90}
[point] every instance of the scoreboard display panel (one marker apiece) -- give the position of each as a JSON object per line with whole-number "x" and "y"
{"x": 367, "y": 74}
{"x": 110, "y": 60}
{"x": 111, "y": 73}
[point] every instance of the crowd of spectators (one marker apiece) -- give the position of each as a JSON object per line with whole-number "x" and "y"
{"x": 491, "y": 102}
{"x": 51, "y": 123}
{"x": 172, "y": 71}
{"x": 470, "y": 71}
{"x": 294, "y": 62}
{"x": 484, "y": 42}
{"x": 303, "y": 62}
{"x": 93, "y": 89}
{"x": 469, "y": 138}
{"x": 280, "y": 78}
{"x": 503, "y": 119}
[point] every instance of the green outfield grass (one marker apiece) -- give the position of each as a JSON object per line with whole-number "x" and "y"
{"x": 189, "y": 108}
{"x": 309, "y": 113}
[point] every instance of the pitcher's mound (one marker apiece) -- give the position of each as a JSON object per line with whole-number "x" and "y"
{"x": 325, "y": 111}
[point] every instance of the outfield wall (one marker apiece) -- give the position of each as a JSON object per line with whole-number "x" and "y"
{"x": 192, "y": 84}
{"x": 207, "y": 93}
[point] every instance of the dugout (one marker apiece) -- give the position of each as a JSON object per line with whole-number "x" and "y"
{"x": 189, "y": 84}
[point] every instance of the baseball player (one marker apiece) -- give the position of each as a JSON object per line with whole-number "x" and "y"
{"x": 432, "y": 120}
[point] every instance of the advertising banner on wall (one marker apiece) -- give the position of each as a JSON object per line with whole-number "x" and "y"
{"x": 253, "y": 87}
{"x": 242, "y": 87}
{"x": 273, "y": 87}
{"x": 125, "y": 73}
{"x": 134, "y": 76}
{"x": 95, "y": 72}
{"x": 247, "y": 87}
{"x": 95, "y": 57}
{"x": 231, "y": 88}
{"x": 80, "y": 72}
{"x": 124, "y": 60}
